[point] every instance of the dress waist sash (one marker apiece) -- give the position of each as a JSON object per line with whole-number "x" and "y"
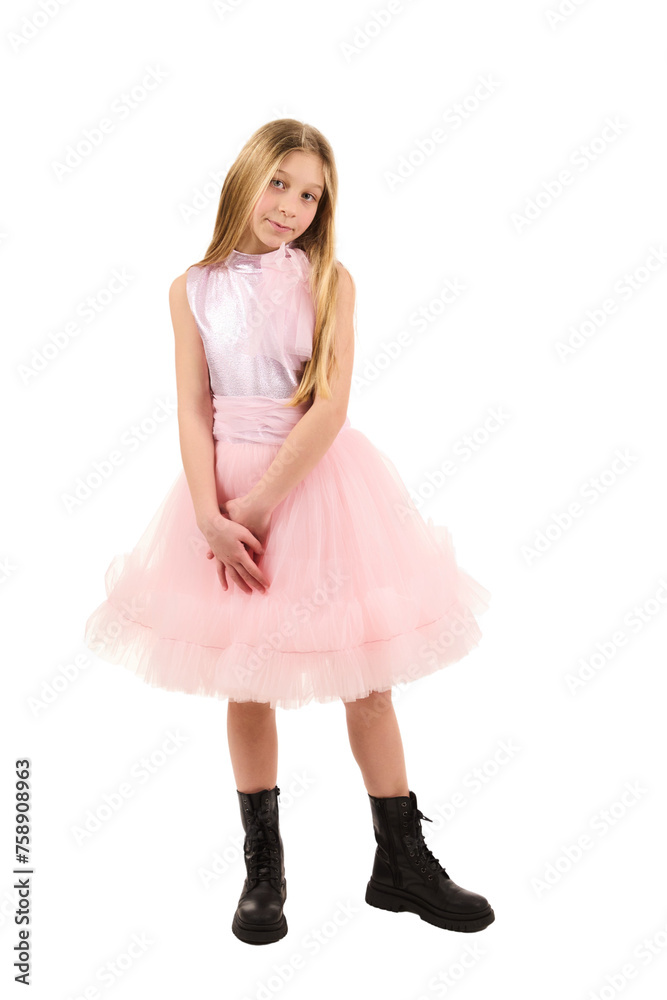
{"x": 260, "y": 419}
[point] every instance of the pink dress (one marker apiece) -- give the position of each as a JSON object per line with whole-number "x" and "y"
{"x": 364, "y": 593}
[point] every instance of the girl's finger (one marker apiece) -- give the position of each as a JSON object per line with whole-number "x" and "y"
{"x": 252, "y": 581}
{"x": 233, "y": 574}
{"x": 220, "y": 570}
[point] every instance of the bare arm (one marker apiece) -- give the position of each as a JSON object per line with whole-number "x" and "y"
{"x": 316, "y": 431}
{"x": 195, "y": 409}
{"x": 228, "y": 540}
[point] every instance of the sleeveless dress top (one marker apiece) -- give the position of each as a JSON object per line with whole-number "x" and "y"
{"x": 256, "y": 318}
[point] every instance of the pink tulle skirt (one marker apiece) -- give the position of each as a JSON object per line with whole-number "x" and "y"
{"x": 364, "y": 593}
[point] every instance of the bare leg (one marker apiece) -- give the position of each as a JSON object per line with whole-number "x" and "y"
{"x": 375, "y": 741}
{"x": 253, "y": 745}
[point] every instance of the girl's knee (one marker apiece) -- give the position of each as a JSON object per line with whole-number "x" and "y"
{"x": 375, "y": 698}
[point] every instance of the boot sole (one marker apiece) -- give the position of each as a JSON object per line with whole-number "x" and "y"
{"x": 397, "y": 901}
{"x": 256, "y": 935}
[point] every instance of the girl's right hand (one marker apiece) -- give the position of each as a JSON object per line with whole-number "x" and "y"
{"x": 229, "y": 542}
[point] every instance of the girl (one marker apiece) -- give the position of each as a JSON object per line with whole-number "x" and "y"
{"x": 287, "y": 563}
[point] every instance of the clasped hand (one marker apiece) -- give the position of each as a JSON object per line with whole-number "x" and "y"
{"x": 233, "y": 541}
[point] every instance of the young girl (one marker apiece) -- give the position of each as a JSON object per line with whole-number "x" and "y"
{"x": 287, "y": 563}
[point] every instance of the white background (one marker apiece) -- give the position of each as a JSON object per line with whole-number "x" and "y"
{"x": 144, "y": 202}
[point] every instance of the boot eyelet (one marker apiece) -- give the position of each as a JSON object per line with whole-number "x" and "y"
{"x": 430, "y": 876}
{"x": 404, "y": 803}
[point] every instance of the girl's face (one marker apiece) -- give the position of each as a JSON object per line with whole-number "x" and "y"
{"x": 291, "y": 199}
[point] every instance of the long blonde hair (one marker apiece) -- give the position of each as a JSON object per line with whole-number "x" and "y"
{"x": 245, "y": 182}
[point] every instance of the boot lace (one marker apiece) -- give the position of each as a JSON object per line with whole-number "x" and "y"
{"x": 417, "y": 847}
{"x": 260, "y": 851}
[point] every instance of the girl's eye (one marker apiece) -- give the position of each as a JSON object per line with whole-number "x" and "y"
{"x": 276, "y": 180}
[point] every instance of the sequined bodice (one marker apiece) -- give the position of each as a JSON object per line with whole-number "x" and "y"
{"x": 256, "y": 318}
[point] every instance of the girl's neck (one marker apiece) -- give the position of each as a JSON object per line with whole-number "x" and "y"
{"x": 266, "y": 253}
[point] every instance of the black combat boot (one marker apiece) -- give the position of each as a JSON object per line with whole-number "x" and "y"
{"x": 406, "y": 875}
{"x": 259, "y": 917}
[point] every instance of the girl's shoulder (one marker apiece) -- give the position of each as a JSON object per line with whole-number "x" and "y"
{"x": 197, "y": 275}
{"x": 345, "y": 279}
{"x": 192, "y": 285}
